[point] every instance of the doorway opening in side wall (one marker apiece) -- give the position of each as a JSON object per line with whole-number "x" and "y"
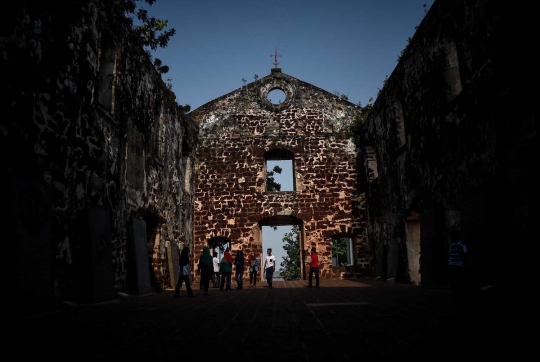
{"x": 219, "y": 245}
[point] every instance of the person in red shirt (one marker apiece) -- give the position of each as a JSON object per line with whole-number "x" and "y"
{"x": 314, "y": 268}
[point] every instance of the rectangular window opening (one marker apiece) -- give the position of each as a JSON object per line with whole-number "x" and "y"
{"x": 279, "y": 175}
{"x": 342, "y": 252}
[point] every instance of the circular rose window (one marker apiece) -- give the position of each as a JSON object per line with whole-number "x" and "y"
{"x": 276, "y": 93}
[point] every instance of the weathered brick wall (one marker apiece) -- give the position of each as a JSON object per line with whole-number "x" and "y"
{"x": 60, "y": 131}
{"x": 237, "y": 129}
{"x": 456, "y": 143}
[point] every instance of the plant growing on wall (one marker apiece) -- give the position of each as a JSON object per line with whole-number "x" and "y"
{"x": 357, "y": 126}
{"x": 341, "y": 96}
{"x": 150, "y": 31}
{"x": 162, "y": 69}
{"x": 147, "y": 30}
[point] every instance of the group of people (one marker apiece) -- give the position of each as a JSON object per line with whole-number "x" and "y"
{"x": 220, "y": 272}
{"x": 210, "y": 268}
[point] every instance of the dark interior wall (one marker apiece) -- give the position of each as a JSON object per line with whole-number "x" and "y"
{"x": 470, "y": 130}
{"x": 80, "y": 104}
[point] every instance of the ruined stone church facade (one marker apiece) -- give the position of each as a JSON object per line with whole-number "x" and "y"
{"x": 242, "y": 130}
{"x": 106, "y": 176}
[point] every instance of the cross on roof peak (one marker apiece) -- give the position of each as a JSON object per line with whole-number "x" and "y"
{"x": 275, "y": 55}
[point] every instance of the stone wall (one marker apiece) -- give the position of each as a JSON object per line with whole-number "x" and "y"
{"x": 451, "y": 145}
{"x": 240, "y": 131}
{"x": 93, "y": 146}
{"x": 99, "y": 162}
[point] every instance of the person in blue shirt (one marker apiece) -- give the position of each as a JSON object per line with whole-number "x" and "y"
{"x": 253, "y": 269}
{"x": 457, "y": 264}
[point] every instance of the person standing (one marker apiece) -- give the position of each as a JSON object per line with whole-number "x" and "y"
{"x": 225, "y": 268}
{"x": 215, "y": 276}
{"x": 253, "y": 269}
{"x": 314, "y": 268}
{"x": 457, "y": 263}
{"x": 183, "y": 261}
{"x": 269, "y": 266}
{"x": 239, "y": 272}
{"x": 206, "y": 268}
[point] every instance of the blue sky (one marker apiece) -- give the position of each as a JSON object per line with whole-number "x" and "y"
{"x": 343, "y": 46}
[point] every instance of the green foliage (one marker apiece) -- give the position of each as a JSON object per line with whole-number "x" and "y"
{"x": 360, "y": 119}
{"x": 409, "y": 38}
{"x": 169, "y": 84}
{"x": 341, "y": 96}
{"x": 339, "y": 250}
{"x": 162, "y": 69}
{"x": 404, "y": 49}
{"x": 383, "y": 84}
{"x": 271, "y": 184}
{"x": 151, "y": 31}
{"x": 290, "y": 266}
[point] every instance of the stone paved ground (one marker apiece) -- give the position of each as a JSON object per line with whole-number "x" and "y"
{"x": 343, "y": 320}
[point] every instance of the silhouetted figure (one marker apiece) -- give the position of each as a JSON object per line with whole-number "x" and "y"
{"x": 457, "y": 263}
{"x": 206, "y": 268}
{"x": 183, "y": 261}
{"x": 253, "y": 269}
{"x": 239, "y": 262}
{"x": 225, "y": 267}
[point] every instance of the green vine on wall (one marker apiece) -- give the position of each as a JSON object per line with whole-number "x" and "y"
{"x": 356, "y": 130}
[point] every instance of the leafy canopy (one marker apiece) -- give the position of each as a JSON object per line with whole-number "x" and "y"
{"x": 271, "y": 184}
{"x": 149, "y": 31}
{"x": 339, "y": 250}
{"x": 290, "y": 266}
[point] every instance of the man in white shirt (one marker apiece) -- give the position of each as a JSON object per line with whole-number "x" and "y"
{"x": 216, "y": 275}
{"x": 269, "y": 266}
